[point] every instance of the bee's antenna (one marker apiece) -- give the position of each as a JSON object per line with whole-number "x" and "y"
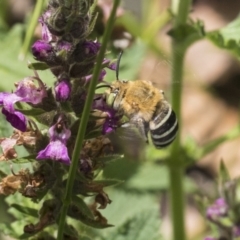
{"x": 118, "y": 64}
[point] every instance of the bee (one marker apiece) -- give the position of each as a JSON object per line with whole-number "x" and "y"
{"x": 146, "y": 108}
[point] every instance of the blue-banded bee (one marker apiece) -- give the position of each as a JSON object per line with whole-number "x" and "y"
{"x": 146, "y": 108}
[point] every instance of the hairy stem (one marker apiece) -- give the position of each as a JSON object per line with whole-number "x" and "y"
{"x": 176, "y": 165}
{"x": 84, "y": 120}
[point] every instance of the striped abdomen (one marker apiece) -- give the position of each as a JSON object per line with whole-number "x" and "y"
{"x": 164, "y": 126}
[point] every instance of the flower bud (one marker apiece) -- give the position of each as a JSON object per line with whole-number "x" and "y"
{"x": 42, "y": 50}
{"x": 62, "y": 90}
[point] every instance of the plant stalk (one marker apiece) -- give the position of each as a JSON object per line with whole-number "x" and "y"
{"x": 31, "y": 28}
{"x": 180, "y": 9}
{"x": 84, "y": 121}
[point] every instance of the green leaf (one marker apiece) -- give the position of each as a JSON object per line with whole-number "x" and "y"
{"x": 8, "y": 229}
{"x": 109, "y": 158}
{"x": 223, "y": 173}
{"x": 77, "y": 213}
{"x": 187, "y": 34}
{"x": 143, "y": 225}
{"x": 194, "y": 152}
{"x": 108, "y": 182}
{"x": 209, "y": 147}
{"x": 32, "y": 112}
{"x": 228, "y": 37}
{"x": 83, "y": 206}
{"x": 122, "y": 169}
{"x": 149, "y": 177}
{"x": 26, "y": 236}
{"x": 11, "y": 68}
{"x": 70, "y": 231}
{"x": 26, "y": 210}
{"x": 126, "y": 207}
{"x": 14, "y": 229}
{"x": 27, "y": 159}
{"x": 38, "y": 66}
{"x": 26, "y": 202}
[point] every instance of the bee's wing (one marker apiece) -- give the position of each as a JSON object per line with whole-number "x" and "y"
{"x": 128, "y": 140}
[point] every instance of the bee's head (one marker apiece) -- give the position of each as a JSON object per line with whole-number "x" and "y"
{"x": 114, "y": 94}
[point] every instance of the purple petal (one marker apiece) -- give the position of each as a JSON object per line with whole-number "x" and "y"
{"x": 46, "y": 34}
{"x": 9, "y": 100}
{"x": 30, "y": 92}
{"x": 63, "y": 90}
{"x": 91, "y": 47}
{"x": 102, "y": 75}
{"x": 110, "y": 124}
{"x": 218, "y": 209}
{"x": 16, "y": 119}
{"x": 107, "y": 128}
{"x": 107, "y": 62}
{"x": 55, "y": 150}
{"x": 41, "y": 50}
{"x": 2, "y": 96}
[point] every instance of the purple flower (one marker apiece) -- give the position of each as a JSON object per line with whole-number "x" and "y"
{"x": 109, "y": 64}
{"x": 62, "y": 90}
{"x": 17, "y": 119}
{"x": 46, "y": 34}
{"x": 91, "y": 47}
{"x": 42, "y": 50}
{"x": 218, "y": 209}
{"x": 29, "y": 91}
{"x": 110, "y": 124}
{"x": 112, "y": 117}
{"x": 26, "y": 91}
{"x": 100, "y": 78}
{"x": 57, "y": 149}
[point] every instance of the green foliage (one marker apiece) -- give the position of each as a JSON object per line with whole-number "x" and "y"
{"x": 143, "y": 225}
{"x": 228, "y": 37}
{"x": 25, "y": 210}
{"x": 11, "y": 68}
{"x": 134, "y": 220}
{"x": 188, "y": 33}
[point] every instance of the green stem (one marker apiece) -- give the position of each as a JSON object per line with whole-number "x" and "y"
{"x": 176, "y": 165}
{"x": 31, "y": 28}
{"x": 84, "y": 121}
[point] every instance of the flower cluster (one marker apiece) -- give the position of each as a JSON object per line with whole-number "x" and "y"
{"x": 27, "y": 91}
{"x": 223, "y": 213}
{"x": 66, "y": 50}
